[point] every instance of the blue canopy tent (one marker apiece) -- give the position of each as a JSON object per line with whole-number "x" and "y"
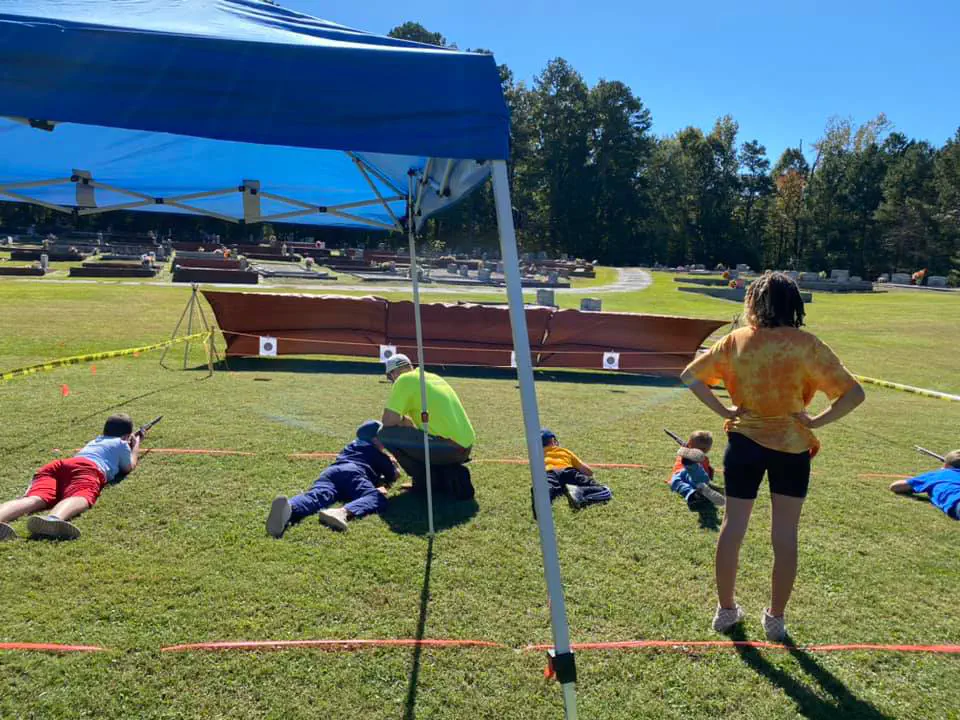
{"x": 243, "y": 110}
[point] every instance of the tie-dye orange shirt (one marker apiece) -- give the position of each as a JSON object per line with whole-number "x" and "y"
{"x": 771, "y": 374}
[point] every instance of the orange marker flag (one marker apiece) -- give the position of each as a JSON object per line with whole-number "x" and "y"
{"x": 64, "y": 390}
{"x": 93, "y": 369}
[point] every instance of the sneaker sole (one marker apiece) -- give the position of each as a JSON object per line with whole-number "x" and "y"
{"x": 712, "y": 495}
{"x": 331, "y": 521}
{"x": 7, "y": 532}
{"x": 52, "y": 529}
{"x": 279, "y": 516}
{"x": 571, "y": 498}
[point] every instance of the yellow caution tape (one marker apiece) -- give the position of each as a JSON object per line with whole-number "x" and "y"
{"x": 53, "y": 364}
{"x": 908, "y": 388}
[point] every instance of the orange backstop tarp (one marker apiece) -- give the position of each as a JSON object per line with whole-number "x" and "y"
{"x": 456, "y": 334}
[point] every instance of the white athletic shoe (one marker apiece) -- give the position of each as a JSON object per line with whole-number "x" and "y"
{"x": 712, "y": 495}
{"x": 333, "y": 518}
{"x": 774, "y": 627}
{"x": 279, "y": 517}
{"x": 726, "y": 618}
{"x": 7, "y": 532}
{"x": 52, "y": 528}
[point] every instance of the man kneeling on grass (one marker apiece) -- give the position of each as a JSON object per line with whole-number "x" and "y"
{"x": 358, "y": 477}
{"x": 943, "y": 485}
{"x": 73, "y": 485}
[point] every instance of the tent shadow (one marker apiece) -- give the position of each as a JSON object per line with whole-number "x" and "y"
{"x": 406, "y": 513}
{"x": 842, "y": 702}
{"x": 370, "y": 367}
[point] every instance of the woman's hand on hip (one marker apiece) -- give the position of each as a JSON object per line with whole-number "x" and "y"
{"x": 732, "y": 413}
{"x": 806, "y": 420}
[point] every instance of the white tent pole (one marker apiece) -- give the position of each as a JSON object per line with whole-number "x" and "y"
{"x": 563, "y": 661}
{"x": 425, "y": 417}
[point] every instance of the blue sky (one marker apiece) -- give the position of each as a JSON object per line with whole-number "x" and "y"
{"x": 780, "y": 69}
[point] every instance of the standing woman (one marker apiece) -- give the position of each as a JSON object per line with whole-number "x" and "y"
{"x": 771, "y": 370}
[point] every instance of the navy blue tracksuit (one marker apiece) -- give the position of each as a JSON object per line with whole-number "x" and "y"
{"x": 352, "y": 478}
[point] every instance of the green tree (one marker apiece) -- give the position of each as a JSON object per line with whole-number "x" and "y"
{"x": 756, "y": 187}
{"x": 416, "y": 32}
{"x": 620, "y": 149}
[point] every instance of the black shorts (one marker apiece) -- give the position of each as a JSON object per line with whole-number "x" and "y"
{"x": 745, "y": 462}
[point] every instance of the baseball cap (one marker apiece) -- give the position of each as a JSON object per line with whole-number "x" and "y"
{"x": 368, "y": 430}
{"x": 397, "y": 361}
{"x": 547, "y": 435}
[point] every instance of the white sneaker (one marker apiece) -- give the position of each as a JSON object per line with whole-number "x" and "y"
{"x": 279, "y": 517}
{"x": 775, "y": 627}
{"x": 333, "y": 518}
{"x": 7, "y": 532}
{"x": 52, "y": 528}
{"x": 726, "y": 618}
{"x": 712, "y": 495}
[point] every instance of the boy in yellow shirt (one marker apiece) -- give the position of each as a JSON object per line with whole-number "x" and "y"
{"x": 567, "y": 474}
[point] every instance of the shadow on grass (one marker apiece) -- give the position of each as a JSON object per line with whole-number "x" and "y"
{"x": 359, "y": 367}
{"x": 406, "y": 513}
{"x": 843, "y": 703}
{"x": 709, "y": 519}
{"x": 411, "y": 704}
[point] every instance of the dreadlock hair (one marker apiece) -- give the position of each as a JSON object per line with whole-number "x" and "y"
{"x": 952, "y": 459}
{"x": 773, "y": 300}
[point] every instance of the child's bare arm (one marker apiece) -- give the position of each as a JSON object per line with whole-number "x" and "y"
{"x": 902, "y": 487}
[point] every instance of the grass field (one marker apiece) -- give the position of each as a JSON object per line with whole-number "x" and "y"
{"x": 178, "y": 554}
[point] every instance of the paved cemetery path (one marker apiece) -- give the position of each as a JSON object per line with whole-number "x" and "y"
{"x": 628, "y": 280}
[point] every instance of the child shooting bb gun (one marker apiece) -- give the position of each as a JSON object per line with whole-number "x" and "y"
{"x": 942, "y": 486}
{"x": 69, "y": 487}
{"x": 692, "y": 472}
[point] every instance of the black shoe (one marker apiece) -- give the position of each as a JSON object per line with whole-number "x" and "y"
{"x": 461, "y": 488}
{"x": 696, "y": 502}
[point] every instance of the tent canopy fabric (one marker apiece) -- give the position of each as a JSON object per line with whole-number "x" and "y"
{"x": 139, "y": 103}
{"x": 248, "y": 71}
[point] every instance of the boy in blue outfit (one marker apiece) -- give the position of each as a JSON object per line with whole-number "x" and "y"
{"x": 358, "y": 477}
{"x": 943, "y": 485}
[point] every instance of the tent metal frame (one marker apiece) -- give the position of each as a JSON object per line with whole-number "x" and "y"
{"x": 86, "y": 186}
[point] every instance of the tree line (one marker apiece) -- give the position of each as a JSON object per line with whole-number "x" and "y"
{"x": 590, "y": 178}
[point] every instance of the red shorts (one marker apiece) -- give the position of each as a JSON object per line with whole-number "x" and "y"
{"x": 61, "y": 479}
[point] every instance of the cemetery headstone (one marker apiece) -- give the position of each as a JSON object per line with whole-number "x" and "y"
{"x": 545, "y": 297}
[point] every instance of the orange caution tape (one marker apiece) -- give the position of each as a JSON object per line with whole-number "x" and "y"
{"x": 329, "y": 644}
{"x": 50, "y": 647}
{"x": 680, "y": 646}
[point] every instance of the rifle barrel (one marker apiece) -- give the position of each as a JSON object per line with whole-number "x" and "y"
{"x": 676, "y": 437}
{"x": 929, "y": 452}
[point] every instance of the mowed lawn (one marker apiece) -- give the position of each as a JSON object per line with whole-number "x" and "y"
{"x": 178, "y": 554}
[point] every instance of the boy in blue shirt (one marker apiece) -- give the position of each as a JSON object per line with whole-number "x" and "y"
{"x": 358, "y": 478}
{"x": 71, "y": 486}
{"x": 943, "y": 485}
